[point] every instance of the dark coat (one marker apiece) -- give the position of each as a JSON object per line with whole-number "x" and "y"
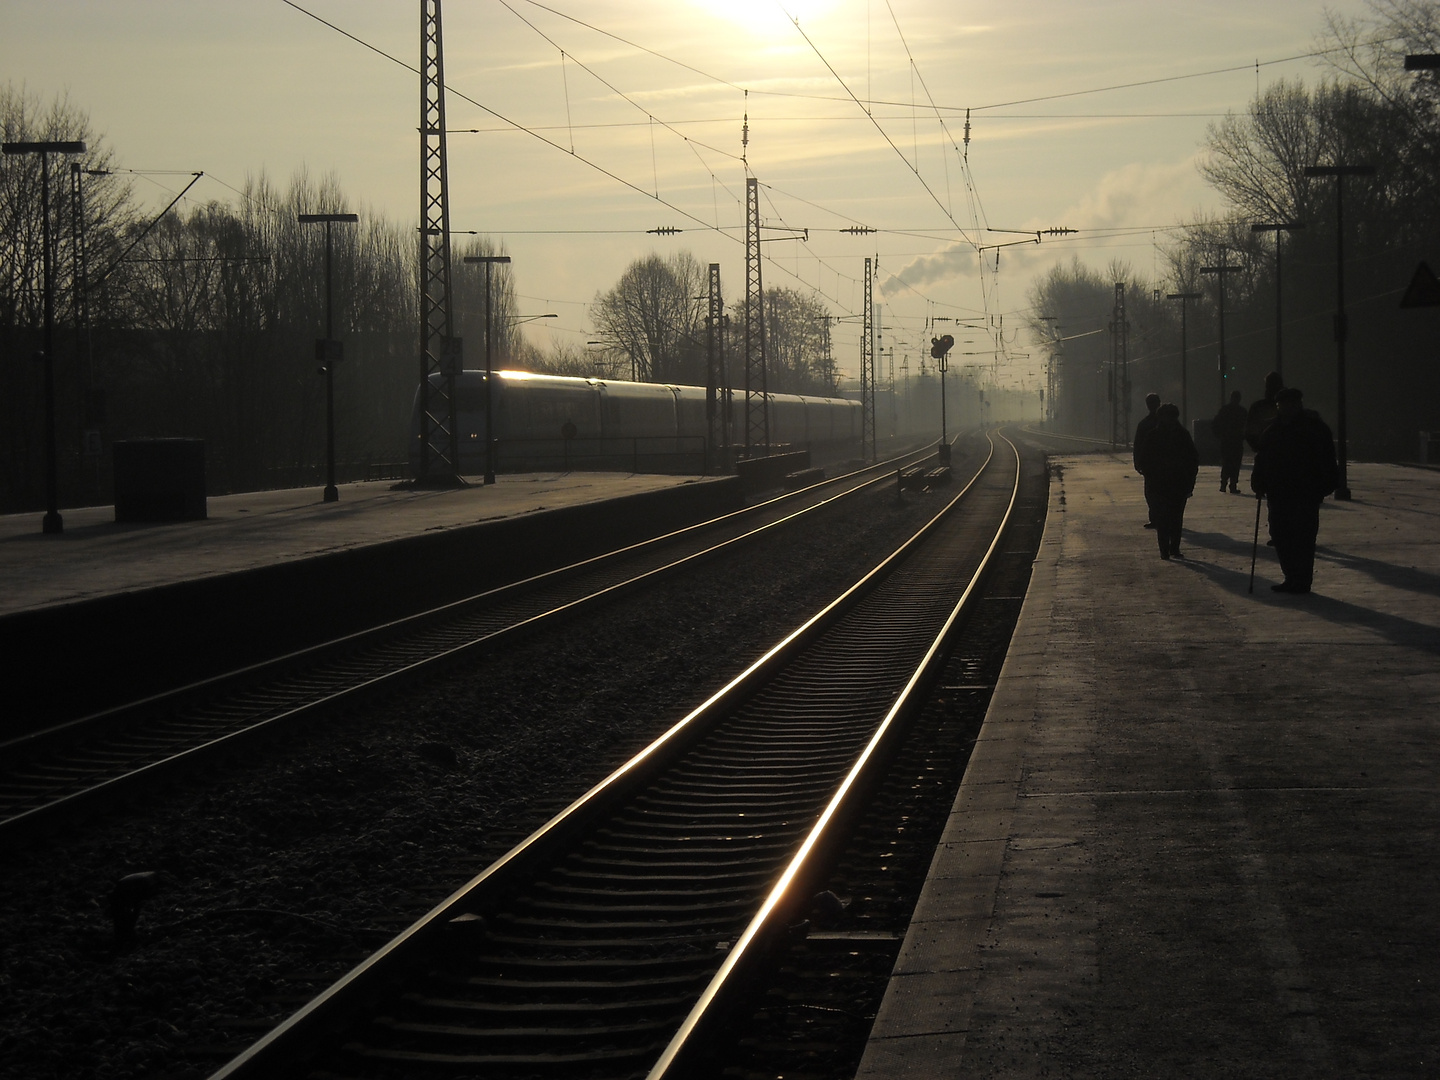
{"x": 1296, "y": 459}
{"x": 1260, "y": 416}
{"x": 1166, "y": 457}
{"x": 1229, "y": 426}
{"x": 1142, "y": 432}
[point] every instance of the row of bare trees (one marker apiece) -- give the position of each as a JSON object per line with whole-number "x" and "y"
{"x": 201, "y": 321}
{"x": 652, "y": 324}
{"x": 1368, "y": 110}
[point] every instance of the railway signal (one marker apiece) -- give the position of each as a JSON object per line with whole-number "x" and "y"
{"x": 938, "y": 348}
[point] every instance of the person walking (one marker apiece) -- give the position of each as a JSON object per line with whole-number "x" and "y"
{"x": 1168, "y": 461}
{"x": 1294, "y": 470}
{"x": 1142, "y": 430}
{"x": 1229, "y": 428}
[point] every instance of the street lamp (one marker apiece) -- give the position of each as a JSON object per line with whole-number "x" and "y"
{"x": 53, "y": 522}
{"x": 1278, "y": 227}
{"x": 1220, "y": 272}
{"x": 488, "y": 261}
{"x": 1342, "y": 328}
{"x": 329, "y": 352}
{"x": 1183, "y": 297}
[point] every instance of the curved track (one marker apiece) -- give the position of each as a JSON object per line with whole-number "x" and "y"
{"x": 74, "y": 768}
{"x": 613, "y": 940}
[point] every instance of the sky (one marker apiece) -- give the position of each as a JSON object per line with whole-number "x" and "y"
{"x": 577, "y": 126}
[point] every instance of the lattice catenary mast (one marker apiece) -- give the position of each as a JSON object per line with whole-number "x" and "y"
{"x": 757, "y": 401}
{"x": 439, "y": 348}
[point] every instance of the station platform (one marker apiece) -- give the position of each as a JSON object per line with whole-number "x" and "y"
{"x": 96, "y": 557}
{"x": 1198, "y": 833}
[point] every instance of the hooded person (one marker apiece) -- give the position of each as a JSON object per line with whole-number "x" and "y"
{"x": 1294, "y": 470}
{"x": 1169, "y": 462}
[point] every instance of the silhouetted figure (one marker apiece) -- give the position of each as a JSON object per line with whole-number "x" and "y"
{"x": 1263, "y": 410}
{"x": 1294, "y": 470}
{"x": 1169, "y": 463}
{"x": 1142, "y": 429}
{"x": 1229, "y": 428}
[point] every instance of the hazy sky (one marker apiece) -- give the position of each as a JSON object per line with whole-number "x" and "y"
{"x": 654, "y": 93}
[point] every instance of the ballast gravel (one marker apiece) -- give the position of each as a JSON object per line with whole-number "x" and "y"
{"x": 275, "y": 874}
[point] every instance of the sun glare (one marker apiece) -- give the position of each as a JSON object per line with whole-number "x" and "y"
{"x": 762, "y": 16}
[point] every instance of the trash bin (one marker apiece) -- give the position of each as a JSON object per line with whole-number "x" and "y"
{"x": 159, "y": 480}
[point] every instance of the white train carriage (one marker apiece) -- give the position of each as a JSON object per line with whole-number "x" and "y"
{"x": 555, "y": 421}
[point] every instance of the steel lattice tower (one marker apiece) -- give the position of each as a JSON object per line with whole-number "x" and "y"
{"x": 715, "y": 366}
{"x": 1119, "y": 372}
{"x": 439, "y": 349}
{"x": 867, "y": 363}
{"x": 757, "y": 401}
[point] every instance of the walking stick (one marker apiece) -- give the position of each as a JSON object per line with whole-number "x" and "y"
{"x": 1255, "y": 549}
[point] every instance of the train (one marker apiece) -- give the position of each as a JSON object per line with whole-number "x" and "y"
{"x": 560, "y": 421}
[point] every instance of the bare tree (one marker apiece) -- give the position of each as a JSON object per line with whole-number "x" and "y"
{"x": 653, "y": 318}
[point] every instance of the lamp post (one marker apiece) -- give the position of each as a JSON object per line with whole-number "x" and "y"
{"x": 1342, "y": 327}
{"x": 1184, "y": 298}
{"x": 329, "y": 352}
{"x": 489, "y": 262}
{"x": 1220, "y": 272}
{"x": 1278, "y": 227}
{"x": 53, "y": 522}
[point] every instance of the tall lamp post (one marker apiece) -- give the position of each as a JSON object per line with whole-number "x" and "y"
{"x": 489, "y": 262}
{"x": 1342, "y": 327}
{"x": 53, "y": 522}
{"x": 1184, "y": 298}
{"x": 329, "y": 351}
{"x": 1278, "y": 227}
{"x": 1220, "y": 272}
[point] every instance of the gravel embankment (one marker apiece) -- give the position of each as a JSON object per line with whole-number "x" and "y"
{"x": 278, "y": 873}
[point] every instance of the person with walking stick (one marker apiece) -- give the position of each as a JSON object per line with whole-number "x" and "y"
{"x": 1294, "y": 470}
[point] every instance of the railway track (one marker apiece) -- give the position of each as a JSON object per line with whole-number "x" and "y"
{"x": 78, "y": 767}
{"x": 617, "y": 939}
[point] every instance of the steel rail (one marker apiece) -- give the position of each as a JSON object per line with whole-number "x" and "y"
{"x": 359, "y": 989}
{"x": 274, "y": 679}
{"x": 781, "y": 906}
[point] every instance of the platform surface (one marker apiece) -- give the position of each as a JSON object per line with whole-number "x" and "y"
{"x": 95, "y": 556}
{"x": 1198, "y": 834}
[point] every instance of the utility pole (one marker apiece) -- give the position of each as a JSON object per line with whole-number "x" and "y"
{"x": 1184, "y": 298}
{"x": 867, "y": 363}
{"x": 757, "y": 397}
{"x": 440, "y": 352}
{"x": 1119, "y": 371}
{"x": 1342, "y": 322}
{"x": 1220, "y": 272}
{"x": 53, "y": 523}
{"x": 1278, "y": 228}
